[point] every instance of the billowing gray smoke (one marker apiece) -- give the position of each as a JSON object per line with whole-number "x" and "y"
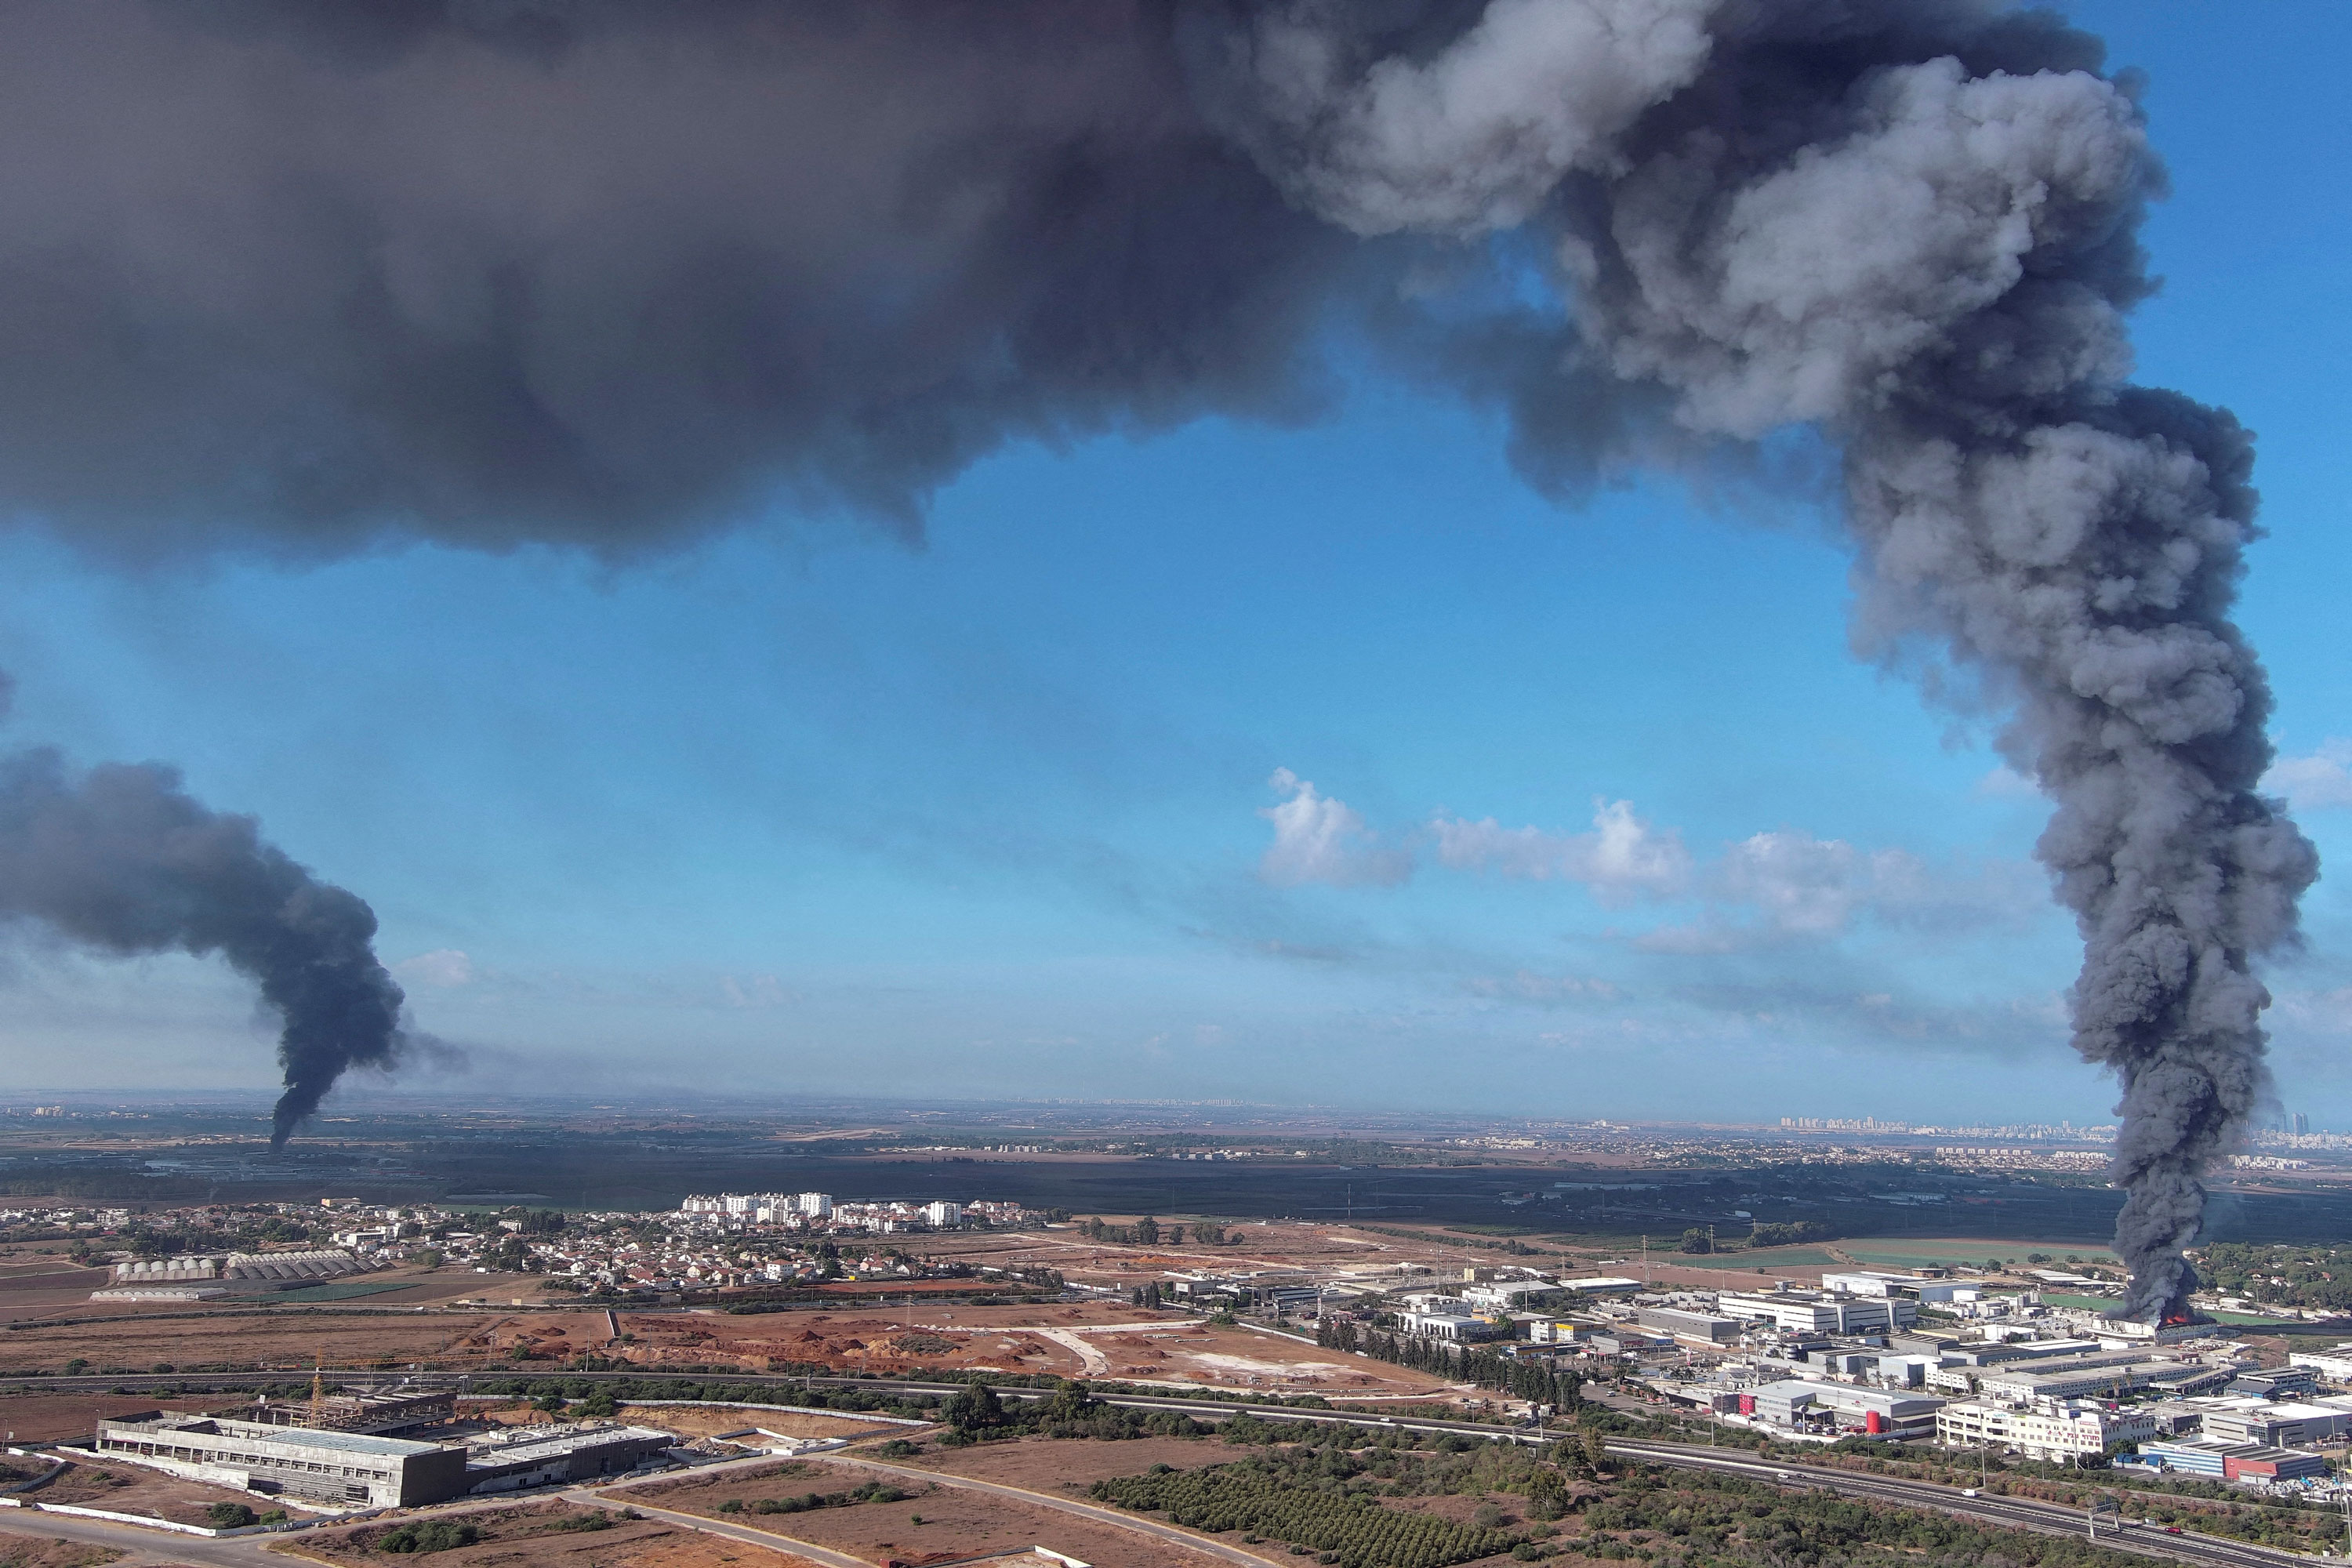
{"x": 494, "y": 271}
{"x": 122, "y": 860}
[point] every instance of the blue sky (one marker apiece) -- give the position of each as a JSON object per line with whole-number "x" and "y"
{"x": 1326, "y": 764}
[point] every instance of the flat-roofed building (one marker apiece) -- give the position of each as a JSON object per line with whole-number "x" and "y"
{"x": 1447, "y": 1326}
{"x": 1808, "y": 1311}
{"x": 2058, "y": 1433}
{"x": 2074, "y": 1378}
{"x": 2233, "y": 1461}
{"x": 1703, "y": 1328}
{"x": 347, "y": 1468}
{"x": 1874, "y": 1282}
{"x": 541, "y": 1456}
{"x": 2335, "y": 1365}
{"x": 2274, "y": 1426}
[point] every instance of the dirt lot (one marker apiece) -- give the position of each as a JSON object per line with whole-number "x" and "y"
{"x": 546, "y": 1535}
{"x": 23, "y": 1549}
{"x": 38, "y": 1288}
{"x": 1078, "y": 1339}
{"x": 932, "y": 1526}
{"x": 689, "y": 1421}
{"x": 60, "y": 1417}
{"x": 173, "y": 1335}
{"x": 127, "y": 1488}
{"x": 1068, "y": 1465}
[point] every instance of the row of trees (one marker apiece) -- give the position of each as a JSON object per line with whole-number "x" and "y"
{"x": 1699, "y": 1238}
{"x": 1148, "y": 1232}
{"x": 1538, "y": 1381}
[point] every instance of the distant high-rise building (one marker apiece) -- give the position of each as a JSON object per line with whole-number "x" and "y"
{"x": 2302, "y": 1124}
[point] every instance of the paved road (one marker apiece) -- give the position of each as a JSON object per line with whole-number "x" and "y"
{"x": 1110, "y": 1516}
{"x": 151, "y": 1545}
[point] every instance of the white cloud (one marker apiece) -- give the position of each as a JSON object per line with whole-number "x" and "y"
{"x": 2315, "y": 783}
{"x": 1800, "y": 887}
{"x": 1320, "y": 839}
{"x": 1622, "y": 858}
{"x": 444, "y": 968}
{"x": 2005, "y": 782}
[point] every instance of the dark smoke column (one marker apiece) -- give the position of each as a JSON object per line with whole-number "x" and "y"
{"x": 1911, "y": 225}
{"x": 122, "y": 860}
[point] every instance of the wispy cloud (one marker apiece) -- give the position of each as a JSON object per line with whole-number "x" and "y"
{"x": 1317, "y": 839}
{"x": 1770, "y": 888}
{"x": 1622, "y": 858}
{"x": 443, "y": 968}
{"x": 1774, "y": 887}
{"x": 2319, "y": 781}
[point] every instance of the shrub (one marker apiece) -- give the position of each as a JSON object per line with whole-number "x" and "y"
{"x": 428, "y": 1535}
{"x": 229, "y": 1515}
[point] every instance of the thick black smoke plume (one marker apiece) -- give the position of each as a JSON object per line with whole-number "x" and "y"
{"x": 121, "y": 859}
{"x": 607, "y": 275}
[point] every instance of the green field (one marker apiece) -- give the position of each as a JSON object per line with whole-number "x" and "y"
{"x": 343, "y": 1291}
{"x": 1766, "y": 1259}
{"x": 1939, "y": 1252}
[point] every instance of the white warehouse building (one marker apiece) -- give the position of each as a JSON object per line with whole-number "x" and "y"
{"x": 1805, "y": 1311}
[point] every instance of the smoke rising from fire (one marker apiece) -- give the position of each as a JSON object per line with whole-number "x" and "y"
{"x": 122, "y": 860}
{"x": 308, "y": 278}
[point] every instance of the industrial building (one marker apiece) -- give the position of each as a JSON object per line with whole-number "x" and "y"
{"x": 347, "y": 1468}
{"x": 2274, "y": 1426}
{"x": 1793, "y": 1402}
{"x": 1820, "y": 1312}
{"x": 2095, "y": 1374}
{"x": 2335, "y": 1365}
{"x": 539, "y": 1455}
{"x": 2232, "y": 1461}
{"x": 360, "y": 1470}
{"x": 1701, "y": 1327}
{"x": 357, "y": 1412}
{"x": 2057, "y": 1432}
{"x": 1445, "y": 1326}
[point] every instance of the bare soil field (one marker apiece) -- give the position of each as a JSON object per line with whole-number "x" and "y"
{"x": 173, "y": 1336}
{"x": 689, "y": 1421}
{"x": 935, "y": 1525}
{"x": 546, "y": 1535}
{"x": 23, "y": 1549}
{"x": 60, "y": 1418}
{"x": 128, "y": 1488}
{"x": 35, "y": 1287}
{"x": 1058, "y": 1466}
{"x": 1077, "y": 1339}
